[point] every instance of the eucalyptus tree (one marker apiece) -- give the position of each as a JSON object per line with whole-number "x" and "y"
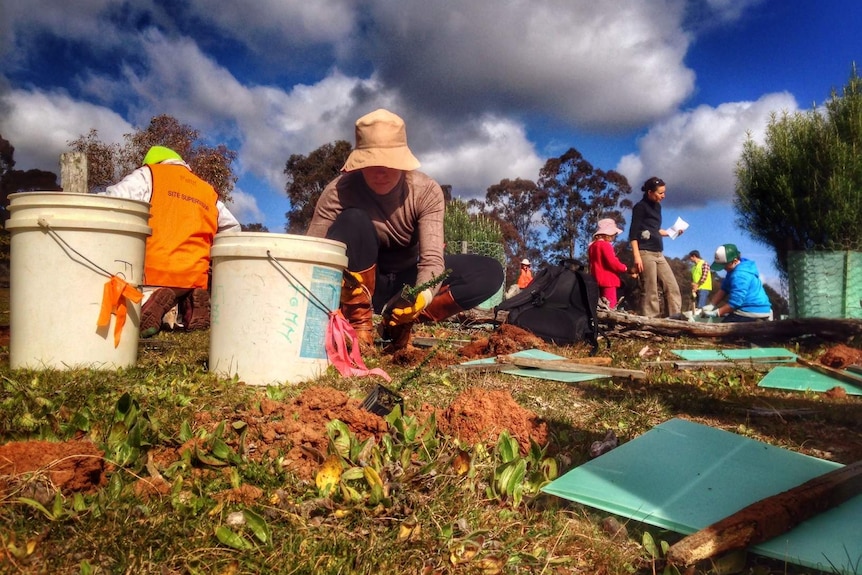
{"x": 577, "y": 197}
{"x": 306, "y": 178}
{"x": 516, "y": 205}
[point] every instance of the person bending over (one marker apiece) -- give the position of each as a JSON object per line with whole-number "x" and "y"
{"x": 390, "y": 216}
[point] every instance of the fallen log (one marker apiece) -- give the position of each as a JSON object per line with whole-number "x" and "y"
{"x": 824, "y": 328}
{"x": 570, "y": 366}
{"x": 769, "y": 517}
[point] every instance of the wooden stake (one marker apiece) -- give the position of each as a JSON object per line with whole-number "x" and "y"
{"x": 501, "y": 365}
{"x": 571, "y": 366}
{"x": 832, "y": 372}
{"x": 769, "y": 517}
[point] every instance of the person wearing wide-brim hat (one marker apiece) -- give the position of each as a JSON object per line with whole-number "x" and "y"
{"x": 741, "y": 296}
{"x": 605, "y": 266}
{"x": 390, "y": 216}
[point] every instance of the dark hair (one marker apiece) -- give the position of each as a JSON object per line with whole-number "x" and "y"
{"x": 694, "y": 254}
{"x": 652, "y": 184}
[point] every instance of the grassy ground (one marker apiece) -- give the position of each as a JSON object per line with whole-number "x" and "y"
{"x": 415, "y": 511}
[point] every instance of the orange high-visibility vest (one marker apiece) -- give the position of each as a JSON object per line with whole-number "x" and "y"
{"x": 184, "y": 219}
{"x": 525, "y": 278}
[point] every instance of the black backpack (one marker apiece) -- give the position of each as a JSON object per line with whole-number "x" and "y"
{"x": 559, "y": 305}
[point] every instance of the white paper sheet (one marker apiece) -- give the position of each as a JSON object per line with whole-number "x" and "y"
{"x": 679, "y": 226}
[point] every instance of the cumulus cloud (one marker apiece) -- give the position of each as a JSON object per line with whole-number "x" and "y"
{"x": 466, "y": 77}
{"x": 497, "y": 149}
{"x": 696, "y": 151}
{"x": 590, "y": 64}
{"x": 244, "y": 207}
{"x": 271, "y": 25}
{"x": 41, "y": 124}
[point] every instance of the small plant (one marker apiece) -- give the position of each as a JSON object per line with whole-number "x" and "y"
{"x": 410, "y": 293}
{"x": 657, "y": 554}
{"x": 517, "y": 476}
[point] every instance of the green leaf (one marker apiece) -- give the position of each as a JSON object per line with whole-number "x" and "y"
{"x": 258, "y": 526}
{"x": 37, "y": 506}
{"x": 350, "y": 494}
{"x": 223, "y": 451}
{"x": 185, "y": 431}
{"x": 507, "y": 447}
{"x": 516, "y": 478}
{"x": 227, "y": 537}
{"x": 353, "y": 474}
{"x": 340, "y": 437}
{"x": 650, "y": 546}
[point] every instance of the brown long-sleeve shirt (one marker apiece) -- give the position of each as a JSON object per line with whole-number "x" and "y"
{"x": 408, "y": 220}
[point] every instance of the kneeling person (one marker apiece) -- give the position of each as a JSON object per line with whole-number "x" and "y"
{"x": 742, "y": 288}
{"x": 390, "y": 216}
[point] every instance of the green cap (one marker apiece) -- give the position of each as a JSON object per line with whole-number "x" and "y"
{"x": 158, "y": 154}
{"x": 724, "y": 255}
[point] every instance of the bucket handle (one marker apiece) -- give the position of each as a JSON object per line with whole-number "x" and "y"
{"x": 115, "y": 292}
{"x": 313, "y": 299}
{"x": 338, "y": 329}
{"x": 43, "y": 223}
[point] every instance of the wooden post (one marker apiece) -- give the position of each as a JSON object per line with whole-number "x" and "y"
{"x": 73, "y": 172}
{"x": 769, "y": 517}
{"x": 571, "y": 366}
{"x": 832, "y": 372}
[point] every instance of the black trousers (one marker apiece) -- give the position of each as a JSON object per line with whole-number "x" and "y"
{"x": 473, "y": 278}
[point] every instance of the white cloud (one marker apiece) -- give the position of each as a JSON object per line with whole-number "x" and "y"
{"x": 730, "y": 10}
{"x": 466, "y": 77}
{"x": 597, "y": 65}
{"x": 696, "y": 151}
{"x": 244, "y": 207}
{"x": 41, "y": 124}
{"x": 271, "y": 25}
{"x": 497, "y": 149}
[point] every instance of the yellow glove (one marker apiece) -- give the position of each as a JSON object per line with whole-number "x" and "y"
{"x": 404, "y": 312}
{"x": 351, "y": 285}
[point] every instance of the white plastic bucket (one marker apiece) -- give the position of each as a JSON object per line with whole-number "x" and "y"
{"x": 59, "y": 242}
{"x": 264, "y": 327}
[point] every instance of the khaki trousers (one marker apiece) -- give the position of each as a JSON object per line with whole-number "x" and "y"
{"x": 657, "y": 271}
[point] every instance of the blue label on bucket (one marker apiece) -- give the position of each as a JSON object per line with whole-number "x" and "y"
{"x": 326, "y": 285}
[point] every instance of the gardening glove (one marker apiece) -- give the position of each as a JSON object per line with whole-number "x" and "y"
{"x": 709, "y": 312}
{"x": 401, "y": 312}
{"x": 707, "y": 308}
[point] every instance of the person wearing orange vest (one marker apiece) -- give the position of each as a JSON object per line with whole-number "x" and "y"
{"x": 185, "y": 215}
{"x": 526, "y": 274}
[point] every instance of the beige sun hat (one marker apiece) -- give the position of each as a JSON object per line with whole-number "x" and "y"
{"x": 607, "y": 227}
{"x": 381, "y": 140}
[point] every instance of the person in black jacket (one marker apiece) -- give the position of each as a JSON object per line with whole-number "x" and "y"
{"x": 645, "y": 237}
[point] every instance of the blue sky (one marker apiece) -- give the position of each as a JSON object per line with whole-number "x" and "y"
{"x": 489, "y": 90}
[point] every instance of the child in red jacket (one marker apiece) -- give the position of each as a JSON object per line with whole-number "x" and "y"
{"x": 604, "y": 263}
